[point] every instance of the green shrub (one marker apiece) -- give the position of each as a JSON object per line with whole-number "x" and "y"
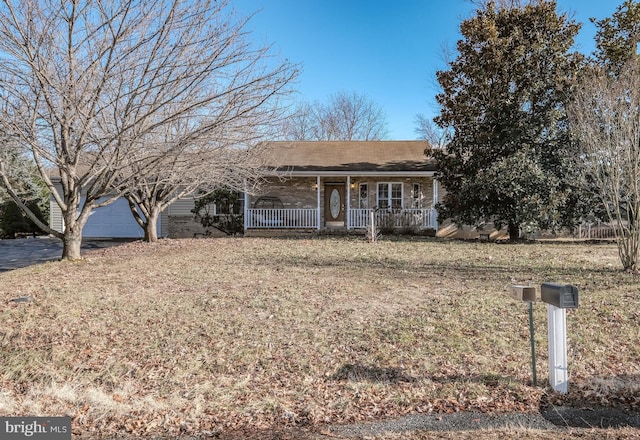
{"x": 13, "y": 221}
{"x": 220, "y": 209}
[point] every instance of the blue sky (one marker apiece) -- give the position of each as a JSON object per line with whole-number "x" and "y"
{"x": 388, "y": 50}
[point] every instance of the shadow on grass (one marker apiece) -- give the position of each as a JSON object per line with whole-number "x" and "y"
{"x": 489, "y": 380}
{"x": 394, "y": 375}
{"x": 361, "y": 373}
{"x": 463, "y": 269}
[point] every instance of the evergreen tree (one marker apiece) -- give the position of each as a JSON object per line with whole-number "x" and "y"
{"x": 31, "y": 189}
{"x": 618, "y": 37}
{"x": 13, "y": 221}
{"x": 508, "y": 155}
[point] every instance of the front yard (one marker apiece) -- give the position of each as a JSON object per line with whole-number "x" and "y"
{"x": 203, "y": 337}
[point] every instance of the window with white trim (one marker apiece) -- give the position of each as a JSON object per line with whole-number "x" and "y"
{"x": 363, "y": 196}
{"x": 389, "y": 195}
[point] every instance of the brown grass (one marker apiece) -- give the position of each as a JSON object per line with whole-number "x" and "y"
{"x": 209, "y": 336}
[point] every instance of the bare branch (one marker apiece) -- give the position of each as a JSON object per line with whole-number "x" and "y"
{"x": 428, "y": 130}
{"x": 346, "y": 116}
{"x": 605, "y": 117}
{"x": 92, "y": 87}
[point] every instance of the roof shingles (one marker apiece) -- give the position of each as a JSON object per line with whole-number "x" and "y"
{"x": 351, "y": 156}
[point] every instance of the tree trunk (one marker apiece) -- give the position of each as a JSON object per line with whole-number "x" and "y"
{"x": 150, "y": 228}
{"x": 514, "y": 231}
{"x": 71, "y": 244}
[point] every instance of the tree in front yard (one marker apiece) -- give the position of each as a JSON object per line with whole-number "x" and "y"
{"x": 508, "y": 150}
{"x": 618, "y": 37}
{"x": 605, "y": 117}
{"x": 177, "y": 164}
{"x": 91, "y": 87}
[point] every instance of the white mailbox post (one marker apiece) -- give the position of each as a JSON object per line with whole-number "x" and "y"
{"x": 558, "y": 297}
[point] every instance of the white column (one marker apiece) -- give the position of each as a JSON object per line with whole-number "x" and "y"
{"x": 557, "y": 329}
{"x": 435, "y": 200}
{"x": 435, "y": 192}
{"x": 246, "y": 205}
{"x": 348, "y": 204}
{"x": 318, "y": 188}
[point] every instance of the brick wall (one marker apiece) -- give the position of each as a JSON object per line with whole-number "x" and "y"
{"x": 185, "y": 226}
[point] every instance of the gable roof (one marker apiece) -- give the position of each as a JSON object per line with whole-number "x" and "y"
{"x": 349, "y": 157}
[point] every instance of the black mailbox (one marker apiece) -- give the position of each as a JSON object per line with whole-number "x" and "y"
{"x": 564, "y": 296}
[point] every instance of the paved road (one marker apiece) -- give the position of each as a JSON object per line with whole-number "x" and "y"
{"x": 23, "y": 252}
{"x": 552, "y": 418}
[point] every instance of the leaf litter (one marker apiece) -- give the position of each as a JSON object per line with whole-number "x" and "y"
{"x": 203, "y": 337}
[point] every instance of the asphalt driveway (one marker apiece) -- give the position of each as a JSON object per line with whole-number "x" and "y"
{"x": 23, "y": 252}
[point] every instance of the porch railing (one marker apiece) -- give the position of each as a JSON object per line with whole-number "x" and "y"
{"x": 282, "y": 218}
{"x": 400, "y": 218}
{"x": 358, "y": 218}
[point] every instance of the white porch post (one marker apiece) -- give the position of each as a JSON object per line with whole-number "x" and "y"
{"x": 246, "y": 205}
{"x": 318, "y": 190}
{"x": 435, "y": 200}
{"x": 435, "y": 192}
{"x": 348, "y": 204}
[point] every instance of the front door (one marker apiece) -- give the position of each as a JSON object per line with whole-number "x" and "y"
{"x": 334, "y": 205}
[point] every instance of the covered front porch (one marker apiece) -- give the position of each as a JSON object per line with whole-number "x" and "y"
{"x": 349, "y": 202}
{"x": 359, "y": 219}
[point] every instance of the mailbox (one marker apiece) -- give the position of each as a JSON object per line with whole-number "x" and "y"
{"x": 524, "y": 293}
{"x": 564, "y": 296}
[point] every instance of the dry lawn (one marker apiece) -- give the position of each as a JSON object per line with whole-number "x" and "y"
{"x": 205, "y": 337}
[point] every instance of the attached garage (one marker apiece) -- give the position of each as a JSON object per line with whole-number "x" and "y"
{"x": 113, "y": 221}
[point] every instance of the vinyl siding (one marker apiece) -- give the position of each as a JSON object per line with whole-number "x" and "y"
{"x": 55, "y": 214}
{"x": 181, "y": 207}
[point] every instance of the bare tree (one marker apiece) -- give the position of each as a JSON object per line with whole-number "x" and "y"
{"x": 162, "y": 179}
{"x": 300, "y": 125}
{"x": 345, "y": 117}
{"x": 605, "y": 117}
{"x": 428, "y": 130}
{"x": 88, "y": 86}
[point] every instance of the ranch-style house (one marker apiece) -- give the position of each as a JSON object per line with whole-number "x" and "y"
{"x": 311, "y": 186}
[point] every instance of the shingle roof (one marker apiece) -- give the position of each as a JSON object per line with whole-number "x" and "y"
{"x": 350, "y": 156}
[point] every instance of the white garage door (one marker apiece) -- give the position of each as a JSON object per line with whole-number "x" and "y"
{"x": 113, "y": 221}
